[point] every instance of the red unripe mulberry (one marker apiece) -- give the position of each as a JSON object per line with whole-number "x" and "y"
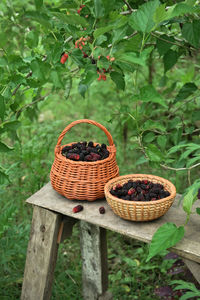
{"x": 77, "y": 208}
{"x": 64, "y": 58}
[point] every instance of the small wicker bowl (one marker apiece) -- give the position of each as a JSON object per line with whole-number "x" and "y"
{"x": 140, "y": 210}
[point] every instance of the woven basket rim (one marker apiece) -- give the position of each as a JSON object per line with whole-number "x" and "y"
{"x": 113, "y": 181}
{"x": 78, "y": 163}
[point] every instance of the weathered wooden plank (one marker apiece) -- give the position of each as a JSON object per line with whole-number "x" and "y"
{"x": 189, "y": 247}
{"x": 41, "y": 255}
{"x": 194, "y": 268}
{"x": 94, "y": 261}
{"x": 66, "y": 228}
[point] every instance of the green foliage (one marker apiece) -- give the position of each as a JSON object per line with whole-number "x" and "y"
{"x": 165, "y": 237}
{"x": 192, "y": 291}
{"x": 142, "y": 20}
{"x": 150, "y": 94}
{"x": 191, "y": 32}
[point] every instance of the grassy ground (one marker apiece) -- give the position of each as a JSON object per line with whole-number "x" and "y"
{"x": 29, "y": 166}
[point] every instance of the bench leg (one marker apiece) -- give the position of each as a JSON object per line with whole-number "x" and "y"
{"x": 194, "y": 268}
{"x": 94, "y": 262}
{"x": 41, "y": 255}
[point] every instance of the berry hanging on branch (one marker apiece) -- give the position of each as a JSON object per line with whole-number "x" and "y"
{"x": 64, "y": 57}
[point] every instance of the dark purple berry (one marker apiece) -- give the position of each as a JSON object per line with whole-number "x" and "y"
{"x": 102, "y": 210}
{"x": 84, "y": 143}
{"x": 88, "y": 157}
{"x": 143, "y": 191}
{"x": 95, "y": 156}
{"x": 90, "y": 144}
{"x": 66, "y": 148}
{"x": 103, "y": 146}
{"x": 82, "y": 156}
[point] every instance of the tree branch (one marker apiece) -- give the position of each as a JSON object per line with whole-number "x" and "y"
{"x": 18, "y": 112}
{"x": 18, "y": 86}
{"x": 169, "y": 42}
{"x": 128, "y": 5}
{"x": 180, "y": 169}
{"x": 178, "y": 108}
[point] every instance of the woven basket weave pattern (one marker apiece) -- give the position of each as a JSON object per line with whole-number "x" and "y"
{"x": 83, "y": 180}
{"x": 140, "y": 210}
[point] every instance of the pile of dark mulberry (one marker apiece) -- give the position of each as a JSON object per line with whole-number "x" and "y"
{"x": 85, "y": 151}
{"x": 140, "y": 190}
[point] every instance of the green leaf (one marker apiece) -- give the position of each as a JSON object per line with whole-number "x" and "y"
{"x": 68, "y": 86}
{"x": 160, "y": 14}
{"x": 118, "y": 34}
{"x": 32, "y": 39}
{"x": 3, "y": 61}
{"x": 170, "y": 58}
{"x": 179, "y": 147}
{"x": 2, "y": 107}
{"x": 163, "y": 46}
{"x": 198, "y": 210}
{"x": 190, "y": 295}
{"x": 188, "y": 89}
{"x": 153, "y": 153}
{"x": 102, "y": 30}
{"x": 191, "y": 161}
{"x": 41, "y": 18}
{"x": 142, "y": 19}
{"x": 118, "y": 80}
{"x": 191, "y": 32}
{"x": 149, "y": 137}
{"x": 38, "y": 3}
{"x": 132, "y": 45}
{"x": 130, "y": 262}
{"x": 141, "y": 161}
{"x": 180, "y": 9}
{"x": 99, "y": 9}
{"x": 125, "y": 66}
{"x": 165, "y": 237}
{"x": 112, "y": 5}
{"x": 56, "y": 52}
{"x": 101, "y": 39}
{"x": 82, "y": 88}
{"x": 70, "y": 19}
{"x": 162, "y": 141}
{"x": 131, "y": 57}
{"x": 90, "y": 77}
{"x": 150, "y": 125}
{"x": 77, "y": 57}
{"x": 149, "y": 94}
{"x": 67, "y": 4}
{"x": 55, "y": 79}
{"x": 37, "y": 70}
{"x": 189, "y": 200}
{"x": 184, "y": 285}
{"x": 3, "y": 177}
{"x": 11, "y": 126}
{"x": 4, "y": 147}
{"x": 146, "y": 52}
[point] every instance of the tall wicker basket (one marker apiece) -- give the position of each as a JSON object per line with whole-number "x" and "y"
{"x": 83, "y": 180}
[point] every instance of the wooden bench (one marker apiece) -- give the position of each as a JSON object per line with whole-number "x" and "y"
{"x": 52, "y": 222}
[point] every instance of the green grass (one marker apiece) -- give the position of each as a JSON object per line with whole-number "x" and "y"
{"x": 29, "y": 166}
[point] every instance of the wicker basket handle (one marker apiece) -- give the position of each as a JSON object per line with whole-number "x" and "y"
{"x": 110, "y": 139}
